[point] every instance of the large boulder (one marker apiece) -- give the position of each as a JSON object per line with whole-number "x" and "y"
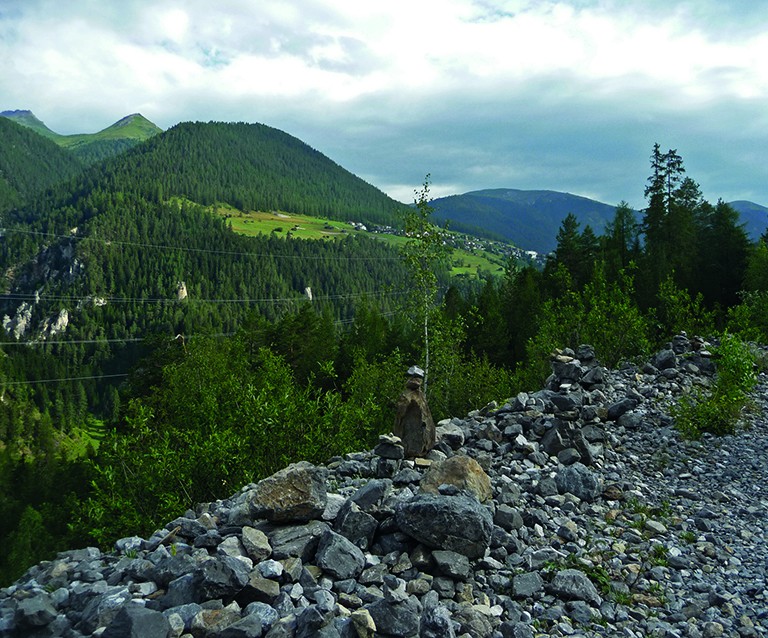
{"x": 572, "y": 584}
{"x": 461, "y": 471}
{"x": 339, "y": 556}
{"x": 579, "y": 480}
{"x": 457, "y": 523}
{"x": 136, "y": 621}
{"x": 296, "y": 494}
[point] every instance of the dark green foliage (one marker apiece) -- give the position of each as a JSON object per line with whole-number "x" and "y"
{"x": 249, "y": 166}
{"x": 678, "y": 312}
{"x": 604, "y": 315}
{"x": 717, "y": 411}
{"x": 576, "y": 252}
{"x": 528, "y": 219}
{"x": 29, "y": 164}
{"x": 99, "y": 150}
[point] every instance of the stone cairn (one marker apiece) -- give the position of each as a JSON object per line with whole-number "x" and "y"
{"x": 413, "y": 420}
{"x": 535, "y": 517}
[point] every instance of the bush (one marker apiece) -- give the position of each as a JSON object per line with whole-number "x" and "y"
{"x": 604, "y": 315}
{"x": 718, "y": 411}
{"x": 678, "y": 312}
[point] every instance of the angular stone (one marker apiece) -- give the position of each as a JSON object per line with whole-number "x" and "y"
{"x": 294, "y": 494}
{"x": 256, "y": 544}
{"x": 209, "y": 622}
{"x": 617, "y": 409}
{"x": 247, "y": 627}
{"x": 355, "y": 524}
{"x": 390, "y": 447}
{"x": 572, "y": 584}
{"x": 568, "y": 456}
{"x": 578, "y": 480}
{"x": 363, "y": 623}
{"x": 371, "y": 496}
{"x": 136, "y": 621}
{"x": 508, "y": 518}
{"x": 457, "y": 523}
{"x": 665, "y": 359}
{"x": 339, "y": 556}
{"x": 298, "y": 541}
{"x": 396, "y": 619}
{"x": 451, "y": 564}
{"x": 220, "y": 577}
{"x": 436, "y": 623}
{"x": 413, "y": 420}
{"x": 451, "y": 433}
{"x": 461, "y": 471}
{"x": 37, "y": 611}
{"x": 526, "y": 585}
{"x": 101, "y": 610}
{"x": 259, "y": 589}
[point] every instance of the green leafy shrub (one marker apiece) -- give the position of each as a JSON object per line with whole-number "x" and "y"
{"x": 749, "y": 319}
{"x": 677, "y": 312}
{"x": 603, "y": 315}
{"x": 718, "y": 411}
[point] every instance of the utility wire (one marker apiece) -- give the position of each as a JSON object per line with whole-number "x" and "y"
{"x": 231, "y": 253}
{"x": 102, "y": 376}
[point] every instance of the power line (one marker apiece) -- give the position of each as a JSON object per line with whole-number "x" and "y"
{"x": 101, "y": 376}
{"x": 230, "y": 253}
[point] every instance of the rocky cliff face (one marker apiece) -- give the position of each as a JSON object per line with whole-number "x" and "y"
{"x": 572, "y": 511}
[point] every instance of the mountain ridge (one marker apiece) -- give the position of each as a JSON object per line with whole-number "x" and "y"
{"x": 92, "y": 147}
{"x": 531, "y": 219}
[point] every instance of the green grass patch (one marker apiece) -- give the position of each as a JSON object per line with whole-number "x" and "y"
{"x": 463, "y": 263}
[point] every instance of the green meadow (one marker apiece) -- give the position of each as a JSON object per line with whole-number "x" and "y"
{"x": 464, "y": 263}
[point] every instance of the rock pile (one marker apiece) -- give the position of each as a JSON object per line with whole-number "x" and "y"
{"x": 572, "y": 511}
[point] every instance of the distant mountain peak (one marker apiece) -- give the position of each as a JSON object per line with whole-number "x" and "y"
{"x": 129, "y": 119}
{"x": 27, "y": 118}
{"x": 17, "y": 113}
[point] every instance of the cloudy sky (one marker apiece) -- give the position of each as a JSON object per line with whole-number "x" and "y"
{"x": 567, "y": 95}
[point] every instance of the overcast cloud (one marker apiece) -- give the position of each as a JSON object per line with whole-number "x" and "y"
{"x": 567, "y": 95}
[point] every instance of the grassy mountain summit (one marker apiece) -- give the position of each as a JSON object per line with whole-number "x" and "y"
{"x": 28, "y": 119}
{"x": 93, "y": 147}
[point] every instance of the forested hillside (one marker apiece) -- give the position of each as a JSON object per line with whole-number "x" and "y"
{"x": 153, "y": 358}
{"x": 528, "y": 219}
{"x": 249, "y": 166}
{"x": 29, "y": 164}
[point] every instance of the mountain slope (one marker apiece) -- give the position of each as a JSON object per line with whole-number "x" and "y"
{"x": 29, "y": 164}
{"x": 28, "y": 119}
{"x": 134, "y": 227}
{"x": 93, "y": 147}
{"x": 529, "y": 219}
{"x": 753, "y": 216}
{"x": 250, "y": 166}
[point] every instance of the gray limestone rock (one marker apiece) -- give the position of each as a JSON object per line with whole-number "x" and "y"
{"x": 136, "y": 621}
{"x": 458, "y": 523}
{"x": 294, "y": 494}
{"x": 339, "y": 556}
{"x": 577, "y": 479}
{"x": 572, "y": 584}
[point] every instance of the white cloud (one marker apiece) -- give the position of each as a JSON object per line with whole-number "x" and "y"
{"x": 476, "y": 91}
